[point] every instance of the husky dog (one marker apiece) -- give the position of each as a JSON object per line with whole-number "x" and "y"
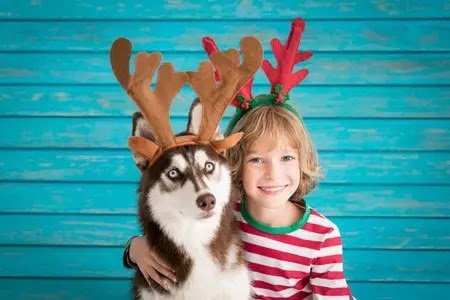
{"x": 186, "y": 203}
{"x": 186, "y": 211}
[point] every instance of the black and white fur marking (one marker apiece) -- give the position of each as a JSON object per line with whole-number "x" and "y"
{"x": 186, "y": 208}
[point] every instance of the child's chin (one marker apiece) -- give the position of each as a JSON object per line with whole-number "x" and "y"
{"x": 273, "y": 202}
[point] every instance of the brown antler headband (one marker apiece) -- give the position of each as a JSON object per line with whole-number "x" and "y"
{"x": 155, "y": 105}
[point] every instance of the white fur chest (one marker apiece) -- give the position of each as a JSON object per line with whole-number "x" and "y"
{"x": 208, "y": 280}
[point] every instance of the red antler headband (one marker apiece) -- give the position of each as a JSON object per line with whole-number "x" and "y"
{"x": 281, "y": 78}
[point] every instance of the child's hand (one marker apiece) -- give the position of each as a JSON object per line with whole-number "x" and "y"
{"x": 149, "y": 264}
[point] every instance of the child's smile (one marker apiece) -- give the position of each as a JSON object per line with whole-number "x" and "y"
{"x": 272, "y": 190}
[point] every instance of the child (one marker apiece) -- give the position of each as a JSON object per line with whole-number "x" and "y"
{"x": 292, "y": 251}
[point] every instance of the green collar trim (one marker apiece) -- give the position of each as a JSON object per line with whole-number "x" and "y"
{"x": 274, "y": 230}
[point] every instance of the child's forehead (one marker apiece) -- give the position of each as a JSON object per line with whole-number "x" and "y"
{"x": 264, "y": 144}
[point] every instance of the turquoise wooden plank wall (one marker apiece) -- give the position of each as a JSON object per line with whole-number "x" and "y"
{"x": 377, "y": 103}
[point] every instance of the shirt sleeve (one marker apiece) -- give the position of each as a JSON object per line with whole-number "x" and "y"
{"x": 126, "y": 261}
{"x": 327, "y": 273}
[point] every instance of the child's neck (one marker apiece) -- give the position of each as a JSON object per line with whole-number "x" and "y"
{"x": 282, "y": 216}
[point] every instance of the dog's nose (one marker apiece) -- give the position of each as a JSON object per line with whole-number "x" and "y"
{"x": 206, "y": 202}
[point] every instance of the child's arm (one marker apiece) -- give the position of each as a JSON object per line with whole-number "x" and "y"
{"x": 138, "y": 254}
{"x": 327, "y": 272}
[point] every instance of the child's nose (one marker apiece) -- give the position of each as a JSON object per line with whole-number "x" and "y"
{"x": 272, "y": 170}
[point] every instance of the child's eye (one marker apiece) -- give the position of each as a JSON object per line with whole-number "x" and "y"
{"x": 255, "y": 160}
{"x": 288, "y": 157}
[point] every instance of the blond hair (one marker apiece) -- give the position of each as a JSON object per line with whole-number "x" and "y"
{"x": 270, "y": 123}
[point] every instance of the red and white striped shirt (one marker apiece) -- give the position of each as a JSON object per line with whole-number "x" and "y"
{"x": 301, "y": 261}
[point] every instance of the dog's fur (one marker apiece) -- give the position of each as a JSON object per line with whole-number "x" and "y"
{"x": 202, "y": 245}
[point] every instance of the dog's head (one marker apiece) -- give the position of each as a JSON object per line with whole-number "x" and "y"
{"x": 191, "y": 181}
{"x": 186, "y": 173}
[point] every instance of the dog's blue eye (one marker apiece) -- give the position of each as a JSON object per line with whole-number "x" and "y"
{"x": 209, "y": 167}
{"x": 173, "y": 173}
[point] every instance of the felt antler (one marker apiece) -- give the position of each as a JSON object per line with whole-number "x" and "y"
{"x": 155, "y": 104}
{"x": 245, "y": 92}
{"x": 211, "y": 47}
{"x": 281, "y": 77}
{"x": 215, "y": 99}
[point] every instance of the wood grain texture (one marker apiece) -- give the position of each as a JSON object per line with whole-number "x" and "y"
{"x": 119, "y": 289}
{"x": 95, "y": 36}
{"x": 397, "y": 102}
{"x": 377, "y": 104}
{"x": 348, "y": 200}
{"x": 328, "y": 134}
{"x": 118, "y": 166}
{"x": 74, "y": 230}
{"x": 105, "y": 263}
{"x": 325, "y": 68}
{"x": 193, "y": 9}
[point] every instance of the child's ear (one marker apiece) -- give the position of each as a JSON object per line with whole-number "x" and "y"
{"x": 141, "y": 128}
{"x": 195, "y": 119}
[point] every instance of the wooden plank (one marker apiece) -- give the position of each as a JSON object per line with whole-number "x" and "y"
{"x": 325, "y": 68}
{"x": 118, "y": 289}
{"x": 398, "y": 290}
{"x": 68, "y": 289}
{"x": 105, "y": 262}
{"x": 311, "y": 101}
{"x": 381, "y": 201}
{"x": 401, "y": 234}
{"x": 100, "y": 262}
{"x": 67, "y": 230}
{"x": 73, "y": 198}
{"x": 192, "y": 10}
{"x": 332, "y": 200}
{"x": 118, "y": 166}
{"x": 359, "y": 35}
{"x": 328, "y": 134}
{"x": 100, "y": 230}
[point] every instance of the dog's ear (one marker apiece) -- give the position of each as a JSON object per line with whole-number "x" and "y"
{"x": 141, "y": 128}
{"x": 195, "y": 119}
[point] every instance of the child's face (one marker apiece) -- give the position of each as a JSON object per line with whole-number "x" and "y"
{"x": 270, "y": 176}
